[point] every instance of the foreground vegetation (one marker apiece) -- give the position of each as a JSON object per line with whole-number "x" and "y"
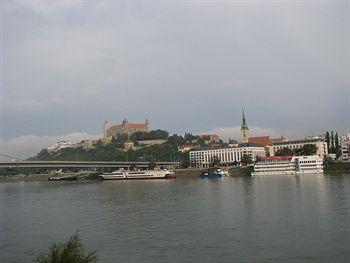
{"x": 71, "y": 251}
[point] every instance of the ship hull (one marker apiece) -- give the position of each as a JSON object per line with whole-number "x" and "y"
{"x": 137, "y": 177}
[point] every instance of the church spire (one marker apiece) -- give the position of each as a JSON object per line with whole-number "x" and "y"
{"x": 244, "y": 129}
{"x": 244, "y": 125}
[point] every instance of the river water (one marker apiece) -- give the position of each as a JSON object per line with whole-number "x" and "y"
{"x": 261, "y": 219}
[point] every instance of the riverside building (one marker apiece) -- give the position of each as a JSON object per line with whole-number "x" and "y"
{"x": 203, "y": 158}
{"x": 320, "y": 143}
{"x": 345, "y": 148}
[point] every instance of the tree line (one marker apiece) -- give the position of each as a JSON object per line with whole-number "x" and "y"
{"x": 333, "y": 143}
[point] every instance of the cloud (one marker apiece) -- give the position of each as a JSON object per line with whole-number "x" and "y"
{"x": 29, "y": 104}
{"x": 28, "y": 145}
{"x": 234, "y": 132}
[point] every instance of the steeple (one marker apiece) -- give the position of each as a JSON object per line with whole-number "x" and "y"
{"x": 244, "y": 122}
{"x": 244, "y": 130}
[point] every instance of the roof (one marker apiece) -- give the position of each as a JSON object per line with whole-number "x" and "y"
{"x": 262, "y": 140}
{"x": 276, "y": 140}
{"x": 137, "y": 124}
{"x": 277, "y": 158}
{"x": 300, "y": 141}
{"x": 249, "y": 144}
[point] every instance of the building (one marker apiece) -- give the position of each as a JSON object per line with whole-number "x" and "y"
{"x": 151, "y": 142}
{"x": 265, "y": 140}
{"x": 320, "y": 143}
{"x": 345, "y": 148}
{"x": 185, "y": 148}
{"x": 59, "y": 146}
{"x": 129, "y": 144}
{"x": 87, "y": 144}
{"x": 124, "y": 128}
{"x": 203, "y": 158}
{"x": 208, "y": 138}
{"x": 244, "y": 130}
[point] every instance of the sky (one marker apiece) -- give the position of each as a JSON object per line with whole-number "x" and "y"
{"x": 66, "y": 66}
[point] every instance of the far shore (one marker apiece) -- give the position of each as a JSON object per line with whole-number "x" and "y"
{"x": 330, "y": 169}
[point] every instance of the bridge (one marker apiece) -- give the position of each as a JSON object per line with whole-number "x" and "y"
{"x": 79, "y": 164}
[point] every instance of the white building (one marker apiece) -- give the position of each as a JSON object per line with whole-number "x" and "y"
{"x": 59, "y": 146}
{"x": 345, "y": 147}
{"x": 320, "y": 143}
{"x": 203, "y": 158}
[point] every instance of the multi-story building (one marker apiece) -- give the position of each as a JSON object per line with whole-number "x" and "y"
{"x": 208, "y": 138}
{"x": 320, "y": 144}
{"x": 345, "y": 148}
{"x": 203, "y": 158}
{"x": 124, "y": 128}
{"x": 59, "y": 146}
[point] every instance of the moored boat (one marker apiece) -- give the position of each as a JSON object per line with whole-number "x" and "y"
{"x": 289, "y": 165}
{"x": 214, "y": 174}
{"x": 141, "y": 174}
{"x": 64, "y": 178}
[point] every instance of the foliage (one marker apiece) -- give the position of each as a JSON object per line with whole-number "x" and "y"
{"x": 68, "y": 252}
{"x": 190, "y": 138}
{"x": 176, "y": 140}
{"x": 328, "y": 140}
{"x": 215, "y": 161}
{"x": 284, "y": 152}
{"x": 307, "y": 149}
{"x": 151, "y": 135}
{"x": 152, "y": 165}
{"x": 246, "y": 159}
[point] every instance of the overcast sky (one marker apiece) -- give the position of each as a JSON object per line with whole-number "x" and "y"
{"x": 66, "y": 66}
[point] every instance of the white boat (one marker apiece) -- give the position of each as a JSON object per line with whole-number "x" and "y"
{"x": 133, "y": 175}
{"x": 289, "y": 165}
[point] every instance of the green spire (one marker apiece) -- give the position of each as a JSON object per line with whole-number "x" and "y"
{"x": 244, "y": 125}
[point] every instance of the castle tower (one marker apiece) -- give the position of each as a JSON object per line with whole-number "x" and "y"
{"x": 105, "y": 128}
{"x": 244, "y": 130}
{"x": 147, "y": 124}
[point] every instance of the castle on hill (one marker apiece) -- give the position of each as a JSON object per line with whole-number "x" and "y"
{"x": 124, "y": 128}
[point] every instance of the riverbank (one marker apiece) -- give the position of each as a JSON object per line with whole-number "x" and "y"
{"x": 337, "y": 167}
{"x": 179, "y": 173}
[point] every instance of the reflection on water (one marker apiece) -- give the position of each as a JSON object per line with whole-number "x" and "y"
{"x": 259, "y": 219}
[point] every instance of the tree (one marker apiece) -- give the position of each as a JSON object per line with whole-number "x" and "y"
{"x": 215, "y": 161}
{"x": 309, "y": 149}
{"x": 152, "y": 165}
{"x": 189, "y": 137}
{"x": 284, "y": 152}
{"x": 70, "y": 251}
{"x": 328, "y": 140}
{"x": 176, "y": 140}
{"x": 332, "y": 148}
{"x": 246, "y": 159}
{"x": 337, "y": 146}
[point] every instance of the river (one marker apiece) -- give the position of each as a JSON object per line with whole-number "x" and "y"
{"x": 259, "y": 219}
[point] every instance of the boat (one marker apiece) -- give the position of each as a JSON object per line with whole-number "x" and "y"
{"x": 64, "y": 178}
{"x": 289, "y": 165}
{"x": 140, "y": 174}
{"x": 214, "y": 174}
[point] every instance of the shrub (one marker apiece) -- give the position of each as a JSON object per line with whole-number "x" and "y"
{"x": 71, "y": 251}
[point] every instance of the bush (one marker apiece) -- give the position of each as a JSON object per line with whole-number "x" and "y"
{"x": 70, "y": 252}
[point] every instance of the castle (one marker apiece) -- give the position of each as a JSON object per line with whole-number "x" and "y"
{"x": 124, "y": 128}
